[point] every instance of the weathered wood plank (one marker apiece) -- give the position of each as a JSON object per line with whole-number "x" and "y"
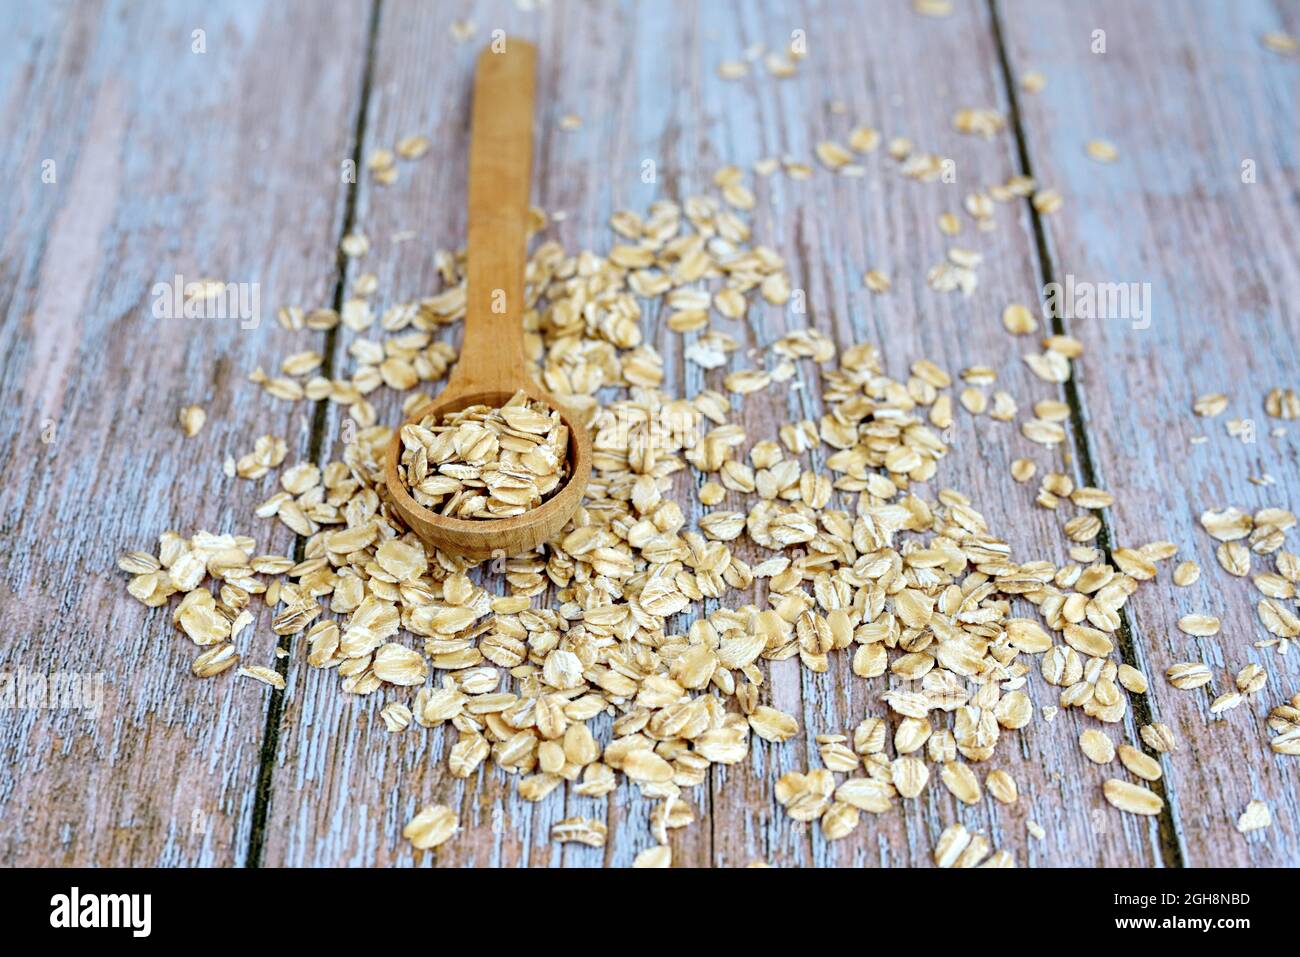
{"x": 162, "y": 168}
{"x": 643, "y": 79}
{"x": 1188, "y": 95}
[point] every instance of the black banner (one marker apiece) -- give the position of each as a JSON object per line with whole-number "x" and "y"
{"x": 140, "y": 906}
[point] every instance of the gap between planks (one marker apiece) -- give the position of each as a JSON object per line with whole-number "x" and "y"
{"x": 1170, "y": 845}
{"x": 320, "y": 413}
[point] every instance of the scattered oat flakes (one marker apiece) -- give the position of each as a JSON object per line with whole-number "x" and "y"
{"x": 1096, "y": 746}
{"x": 1033, "y": 81}
{"x": 839, "y": 820}
{"x": 1132, "y": 679}
{"x": 517, "y": 683}
{"x": 1103, "y": 151}
{"x": 1282, "y": 404}
{"x": 412, "y": 147}
{"x": 1256, "y": 817}
{"x": 1226, "y": 702}
{"x": 933, "y": 8}
{"x": 661, "y": 855}
{"x": 1132, "y": 798}
{"x": 1022, "y": 470}
{"x": 1019, "y": 320}
{"x": 192, "y": 418}
{"x": 382, "y": 166}
{"x": 1210, "y": 404}
{"x": 268, "y": 675}
{"x": 1277, "y": 42}
{"x": 1251, "y": 679}
{"x": 1200, "y": 626}
{"x": 215, "y": 660}
{"x": 1047, "y": 201}
{"x": 1158, "y": 737}
{"x": 1188, "y": 675}
{"x": 958, "y": 778}
{"x": 581, "y": 830}
{"x": 864, "y": 139}
{"x": 1002, "y": 786}
{"x": 876, "y": 281}
{"x": 1138, "y": 764}
{"x": 773, "y": 725}
{"x": 435, "y": 825}
{"x": 484, "y": 463}
{"x": 396, "y": 716}
{"x": 1187, "y": 573}
{"x": 1284, "y": 722}
{"x": 1228, "y": 524}
{"x": 985, "y": 122}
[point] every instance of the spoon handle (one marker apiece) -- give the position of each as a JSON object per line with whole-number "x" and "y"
{"x": 500, "y": 171}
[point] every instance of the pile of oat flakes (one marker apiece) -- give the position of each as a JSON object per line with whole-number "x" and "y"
{"x": 855, "y": 567}
{"x": 485, "y": 463}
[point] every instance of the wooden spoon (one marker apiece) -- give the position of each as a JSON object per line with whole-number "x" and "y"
{"x": 492, "y": 367}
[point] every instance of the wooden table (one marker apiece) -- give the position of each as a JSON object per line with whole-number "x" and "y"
{"x": 227, "y": 162}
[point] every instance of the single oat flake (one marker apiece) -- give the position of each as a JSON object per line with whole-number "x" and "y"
{"x": 192, "y": 418}
{"x": 1103, "y": 151}
{"x": 435, "y": 825}
{"x": 1132, "y": 798}
{"x": 1256, "y": 817}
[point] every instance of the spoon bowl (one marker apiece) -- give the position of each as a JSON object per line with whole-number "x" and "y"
{"x": 491, "y": 367}
{"x": 489, "y": 538}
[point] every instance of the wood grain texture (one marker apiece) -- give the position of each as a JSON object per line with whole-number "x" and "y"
{"x": 647, "y": 91}
{"x": 162, "y": 168}
{"x": 1187, "y": 97}
{"x": 833, "y": 229}
{"x": 227, "y": 164}
{"x": 500, "y": 185}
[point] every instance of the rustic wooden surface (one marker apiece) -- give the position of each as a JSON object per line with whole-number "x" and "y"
{"x": 161, "y": 168}
{"x": 227, "y": 163}
{"x": 1223, "y": 258}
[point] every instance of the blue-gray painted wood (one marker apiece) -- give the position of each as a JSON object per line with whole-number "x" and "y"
{"x": 167, "y": 162}
{"x": 658, "y": 97}
{"x": 227, "y": 163}
{"x": 1187, "y": 94}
